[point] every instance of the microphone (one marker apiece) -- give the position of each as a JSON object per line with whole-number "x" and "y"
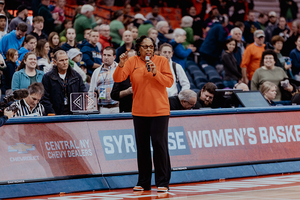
{"x": 147, "y": 59}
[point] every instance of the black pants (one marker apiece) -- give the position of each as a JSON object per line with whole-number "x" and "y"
{"x": 155, "y": 128}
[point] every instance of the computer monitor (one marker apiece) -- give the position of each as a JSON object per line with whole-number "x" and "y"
{"x": 225, "y": 98}
{"x": 251, "y": 99}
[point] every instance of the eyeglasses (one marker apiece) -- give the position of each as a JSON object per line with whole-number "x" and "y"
{"x": 192, "y": 104}
{"x": 146, "y": 46}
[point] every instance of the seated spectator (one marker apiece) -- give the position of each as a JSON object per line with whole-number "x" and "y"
{"x": 75, "y": 57}
{"x": 38, "y": 26}
{"x": 252, "y": 56}
{"x": 186, "y": 24}
{"x": 271, "y": 26}
{"x": 269, "y": 91}
{"x": 14, "y": 39}
{"x": 250, "y": 27}
{"x": 91, "y": 54}
{"x": 269, "y": 72}
{"x": 71, "y": 35}
{"x": 65, "y": 25}
{"x": 236, "y": 33}
{"x": 87, "y": 35}
{"x": 122, "y": 91}
{"x": 138, "y": 20}
{"x": 29, "y": 44}
{"x": 11, "y": 67}
{"x": 102, "y": 82}
{"x": 197, "y": 23}
{"x": 128, "y": 44}
{"x": 117, "y": 28}
{"x": 241, "y": 86}
{"x": 53, "y": 41}
{"x": 282, "y": 29}
{"x": 185, "y": 100}
{"x": 104, "y": 38}
{"x": 210, "y": 50}
{"x": 27, "y": 73}
{"x": 30, "y": 105}
{"x": 22, "y": 15}
{"x": 56, "y": 98}
{"x": 180, "y": 53}
{"x": 179, "y": 76}
{"x": 153, "y": 33}
{"x": 294, "y": 55}
{"x": 262, "y": 21}
{"x": 5, "y": 11}
{"x": 42, "y": 51}
{"x": 163, "y": 29}
{"x": 289, "y": 44}
{"x": 44, "y": 11}
{"x": 134, "y": 32}
{"x": 288, "y": 9}
{"x": 143, "y": 28}
{"x": 154, "y": 14}
{"x": 3, "y": 25}
{"x": 59, "y": 9}
{"x": 205, "y": 96}
{"x": 277, "y": 42}
{"x": 232, "y": 69}
{"x": 83, "y": 21}
{"x": 127, "y": 17}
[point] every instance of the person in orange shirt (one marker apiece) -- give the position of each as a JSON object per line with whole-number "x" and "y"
{"x": 150, "y": 110}
{"x": 252, "y": 56}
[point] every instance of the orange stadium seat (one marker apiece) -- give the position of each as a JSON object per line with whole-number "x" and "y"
{"x": 175, "y": 24}
{"x": 103, "y": 13}
{"x": 145, "y": 10}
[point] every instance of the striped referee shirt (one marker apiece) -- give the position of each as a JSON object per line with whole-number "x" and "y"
{"x": 24, "y": 109}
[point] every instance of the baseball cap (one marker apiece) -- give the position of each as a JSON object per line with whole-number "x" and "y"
{"x": 139, "y": 16}
{"x": 259, "y": 33}
{"x": 272, "y": 14}
{"x": 2, "y": 1}
{"x": 81, "y": 63}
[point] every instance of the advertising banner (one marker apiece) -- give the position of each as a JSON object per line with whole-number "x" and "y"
{"x": 49, "y": 150}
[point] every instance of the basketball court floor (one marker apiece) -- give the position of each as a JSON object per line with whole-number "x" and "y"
{"x": 275, "y": 187}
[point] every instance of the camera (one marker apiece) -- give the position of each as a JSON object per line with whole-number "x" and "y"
{"x": 8, "y": 100}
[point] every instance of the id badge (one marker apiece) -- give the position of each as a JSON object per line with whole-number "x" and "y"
{"x": 66, "y": 101}
{"x": 102, "y": 93}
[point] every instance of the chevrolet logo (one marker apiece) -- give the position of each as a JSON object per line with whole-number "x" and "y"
{"x": 21, "y": 148}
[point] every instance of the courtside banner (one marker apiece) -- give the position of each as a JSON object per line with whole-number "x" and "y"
{"x": 42, "y": 151}
{"x": 47, "y": 150}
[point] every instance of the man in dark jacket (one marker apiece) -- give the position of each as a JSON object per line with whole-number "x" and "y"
{"x": 185, "y": 100}
{"x": 44, "y": 11}
{"x": 59, "y": 83}
{"x": 128, "y": 45}
{"x": 206, "y": 96}
{"x": 91, "y": 54}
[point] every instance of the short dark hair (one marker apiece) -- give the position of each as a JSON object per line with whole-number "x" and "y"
{"x": 209, "y": 87}
{"x": 110, "y": 48}
{"x": 165, "y": 45}
{"x": 36, "y": 88}
{"x": 268, "y": 52}
{"x": 261, "y": 15}
{"x": 22, "y": 27}
{"x": 230, "y": 40}
{"x": 140, "y": 40}
{"x": 239, "y": 24}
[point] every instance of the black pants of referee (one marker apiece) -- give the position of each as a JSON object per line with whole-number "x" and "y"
{"x": 156, "y": 129}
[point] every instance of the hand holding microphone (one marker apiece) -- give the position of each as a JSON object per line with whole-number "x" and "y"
{"x": 150, "y": 65}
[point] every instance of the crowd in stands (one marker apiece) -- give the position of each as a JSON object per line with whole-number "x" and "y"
{"x": 244, "y": 50}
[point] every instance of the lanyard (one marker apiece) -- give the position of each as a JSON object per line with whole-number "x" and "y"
{"x": 65, "y": 86}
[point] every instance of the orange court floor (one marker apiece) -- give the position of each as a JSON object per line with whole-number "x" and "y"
{"x": 285, "y": 186}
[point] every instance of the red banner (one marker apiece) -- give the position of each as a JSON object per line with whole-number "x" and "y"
{"x": 36, "y": 151}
